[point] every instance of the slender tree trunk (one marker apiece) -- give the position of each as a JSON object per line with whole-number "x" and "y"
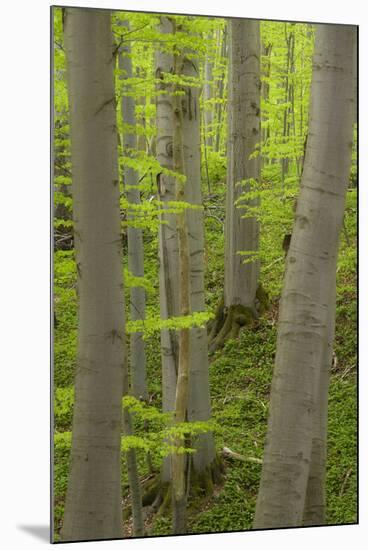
{"x": 135, "y": 236}
{"x": 207, "y": 96}
{"x": 199, "y": 407}
{"x": 299, "y": 391}
{"x": 132, "y": 468}
{"x": 168, "y": 245}
{"x": 137, "y": 294}
{"x": 93, "y": 501}
{"x": 221, "y": 92}
{"x": 285, "y": 133}
{"x": 243, "y": 174}
{"x": 199, "y": 399}
{"x": 265, "y": 91}
{"x": 179, "y": 461}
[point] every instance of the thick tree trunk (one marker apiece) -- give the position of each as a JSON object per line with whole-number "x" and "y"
{"x": 243, "y": 174}
{"x": 315, "y": 498}
{"x": 93, "y": 501}
{"x": 135, "y": 237}
{"x": 242, "y": 234}
{"x": 299, "y": 391}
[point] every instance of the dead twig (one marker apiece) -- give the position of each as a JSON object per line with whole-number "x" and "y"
{"x": 228, "y": 453}
{"x": 346, "y": 477}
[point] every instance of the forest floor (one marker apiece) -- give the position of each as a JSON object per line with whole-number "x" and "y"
{"x": 240, "y": 378}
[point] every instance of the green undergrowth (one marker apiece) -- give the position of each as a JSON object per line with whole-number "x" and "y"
{"x": 240, "y": 378}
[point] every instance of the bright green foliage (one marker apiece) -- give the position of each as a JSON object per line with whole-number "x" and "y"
{"x": 162, "y": 433}
{"x": 150, "y": 325}
{"x": 286, "y": 78}
{"x": 63, "y": 407}
{"x": 240, "y": 376}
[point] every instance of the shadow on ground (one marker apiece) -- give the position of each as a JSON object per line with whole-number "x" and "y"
{"x": 41, "y": 532}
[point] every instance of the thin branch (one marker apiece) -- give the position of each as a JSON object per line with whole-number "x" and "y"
{"x": 228, "y": 453}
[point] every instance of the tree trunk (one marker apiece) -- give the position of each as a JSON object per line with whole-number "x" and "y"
{"x": 168, "y": 245}
{"x": 137, "y": 294}
{"x": 315, "y": 498}
{"x": 135, "y": 237}
{"x": 93, "y": 501}
{"x": 207, "y": 96}
{"x": 179, "y": 460}
{"x": 220, "y": 92}
{"x": 265, "y": 91}
{"x": 299, "y": 390}
{"x": 199, "y": 398}
{"x": 243, "y": 175}
{"x": 285, "y": 132}
{"x": 199, "y": 407}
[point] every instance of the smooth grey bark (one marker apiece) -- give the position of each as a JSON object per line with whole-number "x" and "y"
{"x": 199, "y": 406}
{"x": 242, "y": 234}
{"x": 315, "y": 498}
{"x": 137, "y": 294}
{"x": 179, "y": 461}
{"x": 298, "y": 408}
{"x": 132, "y": 467}
{"x": 93, "y": 501}
{"x": 134, "y": 234}
{"x": 168, "y": 245}
{"x": 199, "y": 400}
{"x": 265, "y": 91}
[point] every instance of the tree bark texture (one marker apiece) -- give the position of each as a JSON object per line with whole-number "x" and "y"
{"x": 242, "y": 234}
{"x": 243, "y": 175}
{"x": 199, "y": 399}
{"x": 294, "y": 450}
{"x": 179, "y": 460}
{"x": 135, "y": 235}
{"x": 199, "y": 406}
{"x": 168, "y": 245}
{"x": 93, "y": 501}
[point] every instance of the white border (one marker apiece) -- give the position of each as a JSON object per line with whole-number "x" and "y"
{"x": 24, "y": 253}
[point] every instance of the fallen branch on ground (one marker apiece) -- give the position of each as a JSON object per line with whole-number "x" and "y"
{"x": 228, "y": 453}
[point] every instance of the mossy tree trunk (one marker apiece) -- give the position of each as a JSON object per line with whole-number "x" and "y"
{"x": 293, "y": 472}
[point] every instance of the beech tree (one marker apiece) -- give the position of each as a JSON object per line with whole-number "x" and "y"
{"x": 204, "y": 466}
{"x": 179, "y": 140}
{"x": 134, "y": 234}
{"x": 292, "y": 481}
{"x": 137, "y": 293}
{"x": 243, "y": 176}
{"x": 93, "y": 502}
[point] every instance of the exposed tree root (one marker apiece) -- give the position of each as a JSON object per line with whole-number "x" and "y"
{"x": 157, "y": 496}
{"x": 228, "y": 321}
